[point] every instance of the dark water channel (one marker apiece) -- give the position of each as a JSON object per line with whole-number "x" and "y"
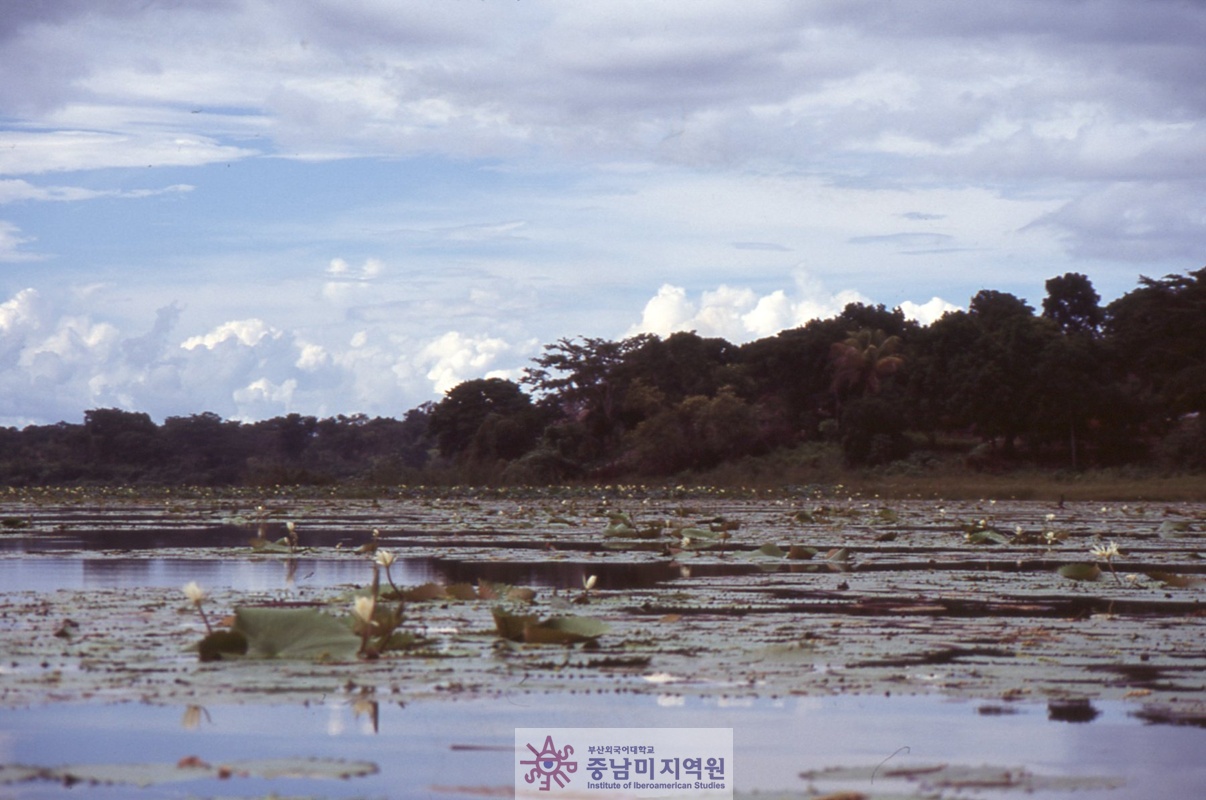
{"x": 219, "y": 558}
{"x": 47, "y": 571}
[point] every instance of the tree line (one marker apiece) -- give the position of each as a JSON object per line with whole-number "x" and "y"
{"x": 1074, "y": 384}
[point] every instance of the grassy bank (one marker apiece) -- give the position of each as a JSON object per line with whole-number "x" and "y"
{"x": 809, "y": 468}
{"x": 949, "y": 478}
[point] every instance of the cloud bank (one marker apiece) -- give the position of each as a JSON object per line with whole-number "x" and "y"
{"x": 329, "y": 207}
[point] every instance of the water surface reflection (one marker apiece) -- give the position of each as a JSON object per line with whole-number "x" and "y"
{"x": 430, "y": 748}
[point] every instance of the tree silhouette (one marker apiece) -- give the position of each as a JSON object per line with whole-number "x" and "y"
{"x": 862, "y": 360}
{"x": 1073, "y": 304}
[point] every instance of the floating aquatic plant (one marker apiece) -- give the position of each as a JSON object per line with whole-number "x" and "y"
{"x": 531, "y": 629}
{"x": 385, "y": 559}
{"x": 1080, "y": 572}
{"x": 1107, "y": 552}
{"x": 196, "y": 595}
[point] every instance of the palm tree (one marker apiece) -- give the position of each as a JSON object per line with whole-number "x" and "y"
{"x": 861, "y": 360}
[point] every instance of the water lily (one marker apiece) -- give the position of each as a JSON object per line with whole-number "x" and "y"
{"x": 589, "y": 583}
{"x": 193, "y": 591}
{"x": 363, "y": 609}
{"x": 196, "y": 595}
{"x": 1107, "y": 551}
{"x": 385, "y": 560}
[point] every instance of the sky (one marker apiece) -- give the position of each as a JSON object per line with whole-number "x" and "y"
{"x": 326, "y": 207}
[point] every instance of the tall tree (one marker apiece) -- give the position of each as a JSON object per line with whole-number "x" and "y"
{"x": 585, "y": 380}
{"x": 1157, "y": 333}
{"x": 1073, "y": 304}
{"x": 492, "y": 414}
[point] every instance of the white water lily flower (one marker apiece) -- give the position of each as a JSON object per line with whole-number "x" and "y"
{"x": 661, "y": 677}
{"x": 385, "y": 558}
{"x": 363, "y": 609}
{"x": 589, "y": 583}
{"x": 1106, "y": 551}
{"x": 193, "y": 591}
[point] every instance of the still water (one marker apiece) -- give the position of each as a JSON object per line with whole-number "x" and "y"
{"x": 460, "y": 749}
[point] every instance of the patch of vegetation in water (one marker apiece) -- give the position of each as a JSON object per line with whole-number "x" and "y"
{"x": 802, "y": 595}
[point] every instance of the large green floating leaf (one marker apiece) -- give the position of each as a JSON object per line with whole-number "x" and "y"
{"x": 511, "y": 626}
{"x": 424, "y": 592}
{"x": 488, "y": 590}
{"x": 301, "y": 633}
{"x": 1080, "y": 572}
{"x": 1174, "y": 528}
{"x": 564, "y": 630}
{"x": 987, "y": 537}
{"x": 262, "y": 545}
{"x": 1173, "y": 580}
{"x": 461, "y": 591}
{"x": 620, "y": 526}
{"x": 838, "y": 554}
{"x": 699, "y": 538}
{"x": 555, "y": 630}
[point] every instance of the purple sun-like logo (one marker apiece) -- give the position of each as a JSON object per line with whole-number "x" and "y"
{"x": 550, "y": 764}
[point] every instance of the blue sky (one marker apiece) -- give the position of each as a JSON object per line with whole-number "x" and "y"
{"x": 257, "y": 208}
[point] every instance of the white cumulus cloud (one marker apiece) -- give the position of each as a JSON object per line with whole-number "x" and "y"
{"x": 740, "y": 314}
{"x": 247, "y": 332}
{"x": 455, "y": 358}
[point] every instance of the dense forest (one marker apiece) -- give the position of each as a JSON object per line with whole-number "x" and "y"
{"x": 1074, "y": 385}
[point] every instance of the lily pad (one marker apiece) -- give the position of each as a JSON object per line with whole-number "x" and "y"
{"x": 555, "y": 630}
{"x": 262, "y": 545}
{"x": 425, "y": 592}
{"x": 1080, "y": 572}
{"x": 620, "y": 526}
{"x": 1174, "y": 527}
{"x": 564, "y": 630}
{"x": 301, "y": 633}
{"x": 987, "y": 537}
{"x": 1174, "y": 581}
{"x": 511, "y": 626}
{"x": 488, "y": 590}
